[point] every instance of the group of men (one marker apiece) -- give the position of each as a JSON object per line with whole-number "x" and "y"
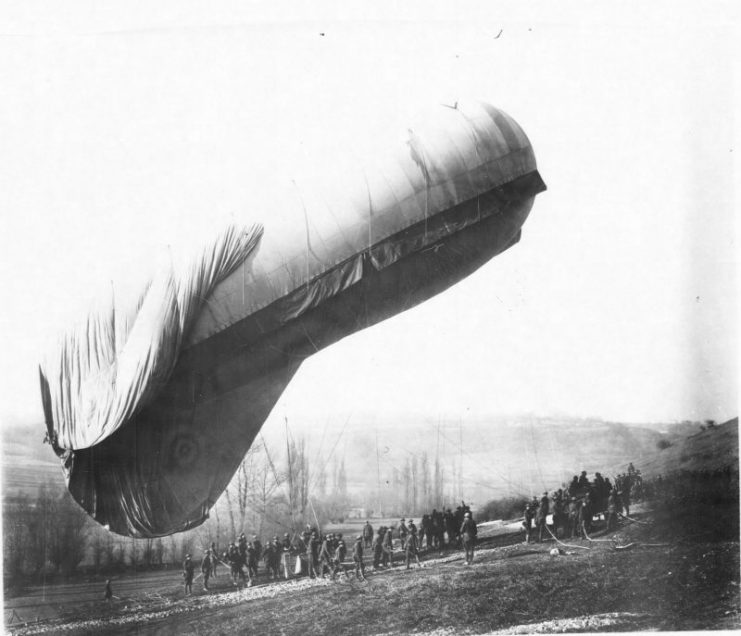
{"x": 574, "y": 509}
{"x": 315, "y": 554}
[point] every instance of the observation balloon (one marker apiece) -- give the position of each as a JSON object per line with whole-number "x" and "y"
{"x": 152, "y": 405}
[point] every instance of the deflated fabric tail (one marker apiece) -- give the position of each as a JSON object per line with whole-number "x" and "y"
{"x": 109, "y": 367}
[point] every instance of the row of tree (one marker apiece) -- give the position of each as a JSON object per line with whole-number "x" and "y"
{"x": 272, "y": 493}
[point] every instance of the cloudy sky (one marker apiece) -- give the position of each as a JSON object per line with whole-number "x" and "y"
{"x": 125, "y": 129}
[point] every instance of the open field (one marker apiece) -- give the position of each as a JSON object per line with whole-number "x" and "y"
{"x": 679, "y": 573}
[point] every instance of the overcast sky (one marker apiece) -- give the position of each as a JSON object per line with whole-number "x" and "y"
{"x": 126, "y": 128}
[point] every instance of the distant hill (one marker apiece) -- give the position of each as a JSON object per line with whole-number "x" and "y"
{"x": 27, "y": 462}
{"x": 491, "y": 457}
{"x": 481, "y": 459}
{"x": 714, "y": 448}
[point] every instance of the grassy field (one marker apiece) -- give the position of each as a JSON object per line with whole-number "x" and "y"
{"x": 681, "y": 572}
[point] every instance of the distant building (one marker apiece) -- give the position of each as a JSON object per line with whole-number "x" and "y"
{"x": 356, "y": 513}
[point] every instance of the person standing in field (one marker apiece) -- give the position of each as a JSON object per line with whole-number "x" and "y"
{"x": 468, "y": 534}
{"x": 378, "y": 548}
{"x": 411, "y": 547}
{"x": 542, "y": 516}
{"x": 357, "y": 557}
{"x": 368, "y": 534}
{"x": 214, "y": 558}
{"x": 189, "y": 569}
{"x": 527, "y": 524}
{"x": 206, "y": 569}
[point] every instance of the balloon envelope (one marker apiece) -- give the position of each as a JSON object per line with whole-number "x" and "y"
{"x": 152, "y": 406}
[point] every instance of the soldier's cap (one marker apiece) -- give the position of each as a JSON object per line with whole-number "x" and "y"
{"x": 187, "y": 556}
{"x": 359, "y": 537}
{"x": 254, "y": 536}
{"x": 286, "y": 535}
{"x": 468, "y": 514}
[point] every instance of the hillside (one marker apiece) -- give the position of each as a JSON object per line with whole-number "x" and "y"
{"x": 27, "y": 462}
{"x": 481, "y": 459}
{"x": 712, "y": 449}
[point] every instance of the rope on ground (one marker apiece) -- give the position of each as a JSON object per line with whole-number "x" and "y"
{"x": 581, "y": 547}
{"x": 597, "y": 540}
{"x": 645, "y": 523}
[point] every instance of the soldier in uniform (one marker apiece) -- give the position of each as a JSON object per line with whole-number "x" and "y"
{"x": 411, "y": 547}
{"x": 214, "y": 558}
{"x": 425, "y": 531}
{"x": 313, "y": 555}
{"x": 542, "y": 516}
{"x": 275, "y": 558}
{"x": 108, "y": 594}
{"x": 325, "y": 557}
{"x": 573, "y": 516}
{"x": 625, "y": 498}
{"x": 449, "y": 523}
{"x": 189, "y": 569}
{"x": 468, "y": 533}
{"x": 388, "y": 549}
{"x": 559, "y": 514}
{"x": 612, "y": 510}
{"x": 357, "y": 557}
{"x": 378, "y": 548}
{"x": 250, "y": 561}
{"x": 403, "y": 532}
{"x": 206, "y": 568}
{"x": 368, "y": 534}
{"x": 258, "y": 551}
{"x": 528, "y": 522}
{"x": 586, "y": 514}
{"x": 287, "y": 550}
{"x": 338, "y": 559}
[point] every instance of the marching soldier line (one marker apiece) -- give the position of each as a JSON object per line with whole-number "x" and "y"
{"x": 314, "y": 554}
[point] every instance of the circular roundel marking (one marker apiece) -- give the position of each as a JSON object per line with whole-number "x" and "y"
{"x": 184, "y": 451}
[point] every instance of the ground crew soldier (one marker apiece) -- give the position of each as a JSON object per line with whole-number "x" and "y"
{"x": 413, "y": 528}
{"x": 108, "y": 594}
{"x": 625, "y": 498}
{"x": 206, "y": 568}
{"x": 613, "y": 503}
{"x": 258, "y": 551}
{"x": 378, "y": 548}
{"x": 287, "y": 550}
{"x": 357, "y": 557}
{"x": 325, "y": 558}
{"x": 425, "y": 531}
{"x": 214, "y": 559}
{"x": 189, "y": 569}
{"x": 542, "y": 516}
{"x": 468, "y": 534}
{"x": 250, "y": 561}
{"x": 573, "y": 512}
{"x": 586, "y": 514}
{"x": 339, "y": 556}
{"x": 411, "y": 547}
{"x": 528, "y": 522}
{"x": 234, "y": 560}
{"x": 403, "y": 532}
{"x": 368, "y": 534}
{"x": 313, "y": 555}
{"x": 388, "y": 549}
